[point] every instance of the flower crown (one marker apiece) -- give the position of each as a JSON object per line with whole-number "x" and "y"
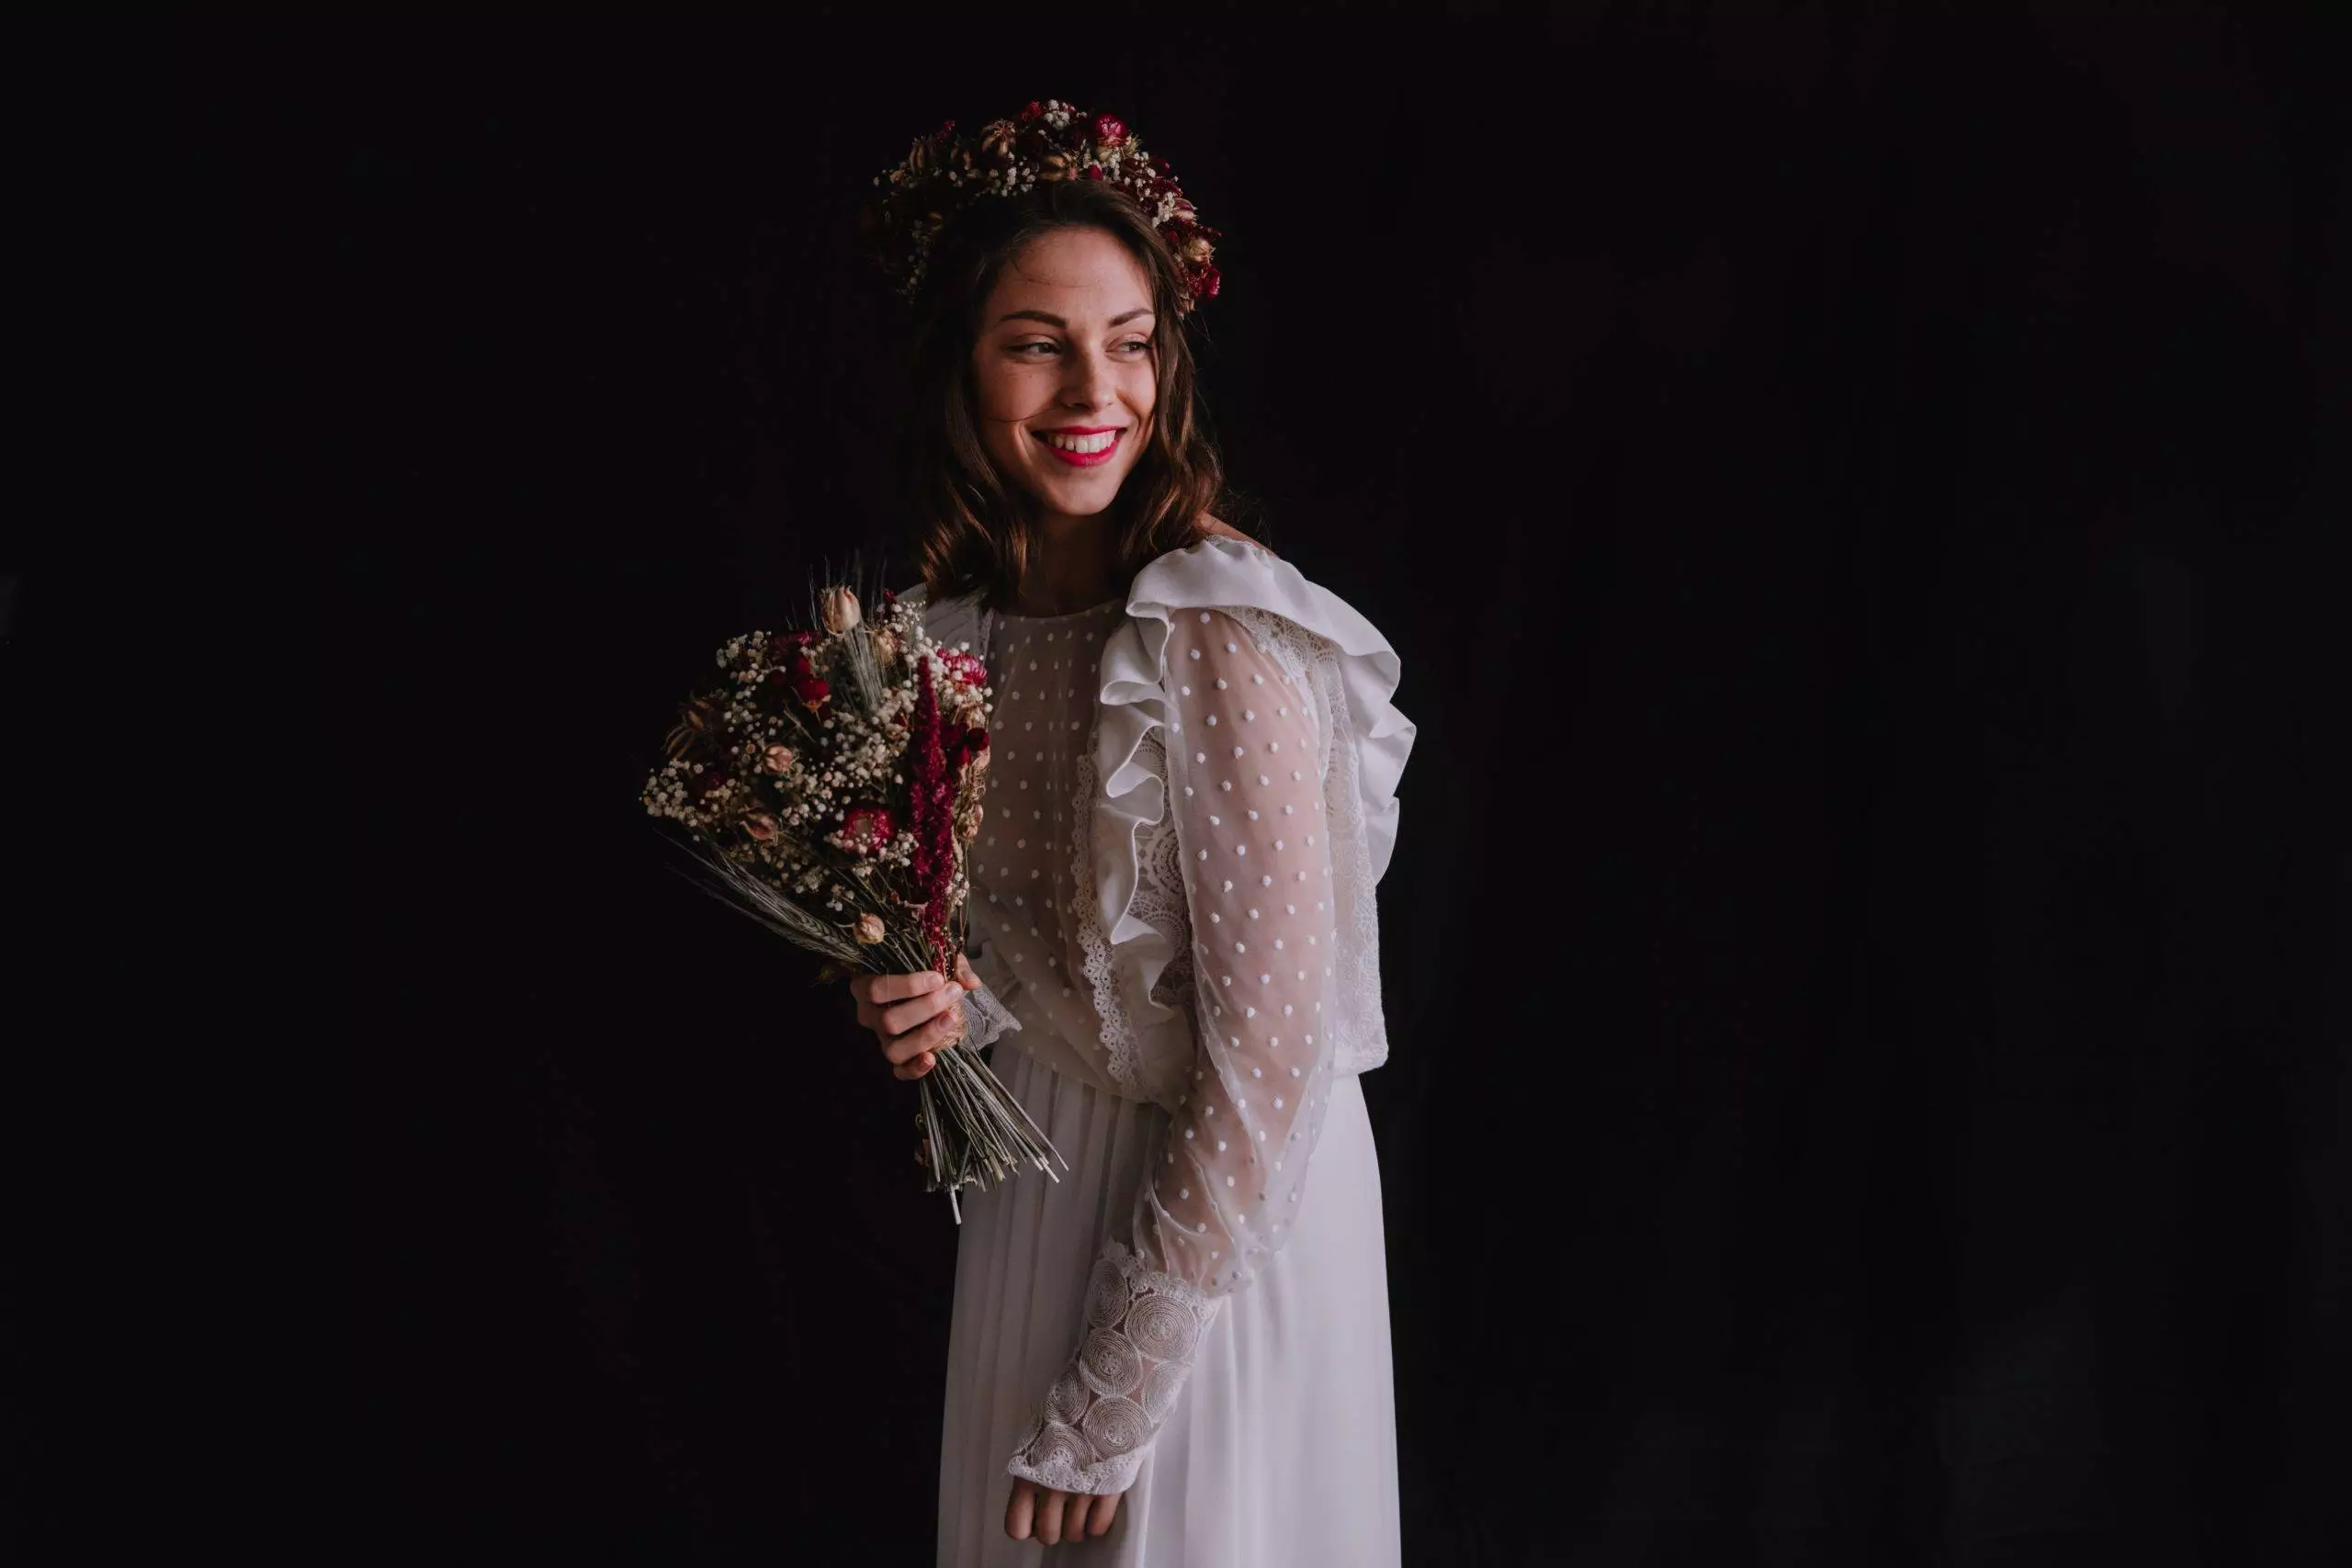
{"x": 945, "y": 173}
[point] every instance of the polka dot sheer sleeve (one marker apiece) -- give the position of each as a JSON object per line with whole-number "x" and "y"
{"x": 1248, "y": 748}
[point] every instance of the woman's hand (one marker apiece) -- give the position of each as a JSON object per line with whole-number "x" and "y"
{"x": 1056, "y": 1515}
{"x": 913, "y": 1015}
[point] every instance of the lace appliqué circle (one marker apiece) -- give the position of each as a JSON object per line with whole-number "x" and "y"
{"x": 1117, "y": 1425}
{"x": 1160, "y": 1328}
{"x": 1111, "y": 1362}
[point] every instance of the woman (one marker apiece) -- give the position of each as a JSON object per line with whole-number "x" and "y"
{"x": 1178, "y": 1351}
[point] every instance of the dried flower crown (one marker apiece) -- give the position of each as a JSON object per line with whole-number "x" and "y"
{"x": 945, "y": 173}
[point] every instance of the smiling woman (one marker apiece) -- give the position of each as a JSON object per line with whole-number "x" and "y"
{"x": 1064, "y": 379}
{"x": 1177, "y": 1354}
{"x": 1049, "y": 322}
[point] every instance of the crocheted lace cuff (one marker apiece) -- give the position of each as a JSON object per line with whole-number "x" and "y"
{"x": 1135, "y": 1352}
{"x": 985, "y": 1019}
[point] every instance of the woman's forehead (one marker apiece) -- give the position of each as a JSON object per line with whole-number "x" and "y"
{"x": 1073, "y": 272}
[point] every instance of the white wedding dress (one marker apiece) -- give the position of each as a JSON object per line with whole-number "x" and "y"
{"x": 1191, "y": 796}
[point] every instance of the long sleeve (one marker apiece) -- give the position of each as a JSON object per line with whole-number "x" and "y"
{"x": 1248, "y": 749}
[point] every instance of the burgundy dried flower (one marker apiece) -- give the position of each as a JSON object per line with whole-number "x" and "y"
{"x": 933, "y": 795}
{"x": 868, "y": 827}
{"x": 808, "y": 686}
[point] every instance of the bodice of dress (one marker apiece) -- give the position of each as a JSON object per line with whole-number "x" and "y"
{"x": 1190, "y": 799}
{"x": 1025, "y": 909}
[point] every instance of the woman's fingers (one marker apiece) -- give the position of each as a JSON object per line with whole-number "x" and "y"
{"x": 881, "y": 990}
{"x": 936, "y": 1035}
{"x": 1053, "y": 1517}
{"x": 943, "y": 1027}
{"x": 899, "y": 1016}
{"x": 872, "y": 993}
{"x": 964, "y": 976}
{"x": 914, "y": 1015}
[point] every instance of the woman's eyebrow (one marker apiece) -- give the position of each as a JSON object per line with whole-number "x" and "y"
{"x": 1053, "y": 320}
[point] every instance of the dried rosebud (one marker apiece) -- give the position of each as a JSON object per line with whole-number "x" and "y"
{"x": 867, "y": 827}
{"x": 761, "y": 826}
{"x": 869, "y": 929}
{"x": 1196, "y": 249}
{"x": 779, "y": 759}
{"x": 886, "y": 643}
{"x": 996, "y": 144}
{"x": 1109, "y": 129}
{"x": 1030, "y": 110}
{"x": 1054, "y": 166}
{"x": 963, "y": 669}
{"x": 839, "y": 609}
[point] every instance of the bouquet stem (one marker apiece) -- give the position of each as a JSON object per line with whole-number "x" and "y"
{"x": 979, "y": 1134}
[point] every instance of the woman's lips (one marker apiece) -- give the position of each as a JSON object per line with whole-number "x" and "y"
{"x": 1083, "y": 459}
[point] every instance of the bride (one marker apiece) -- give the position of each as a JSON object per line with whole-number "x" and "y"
{"x": 1179, "y": 1352}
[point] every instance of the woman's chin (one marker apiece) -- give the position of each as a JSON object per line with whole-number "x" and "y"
{"x": 1079, "y": 497}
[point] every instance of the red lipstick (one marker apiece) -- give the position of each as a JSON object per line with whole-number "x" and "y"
{"x": 1084, "y": 459}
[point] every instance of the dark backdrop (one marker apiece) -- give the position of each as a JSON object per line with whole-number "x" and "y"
{"x": 1857, "y": 503}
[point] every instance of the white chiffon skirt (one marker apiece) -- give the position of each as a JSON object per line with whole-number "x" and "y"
{"x": 1281, "y": 1453}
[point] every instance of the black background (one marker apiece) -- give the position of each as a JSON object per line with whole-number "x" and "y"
{"x": 1858, "y": 502}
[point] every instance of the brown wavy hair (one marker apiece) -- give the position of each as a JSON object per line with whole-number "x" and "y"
{"x": 975, "y": 531}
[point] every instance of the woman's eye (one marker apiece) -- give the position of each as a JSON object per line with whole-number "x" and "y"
{"x": 1141, "y": 344}
{"x": 1023, "y": 348}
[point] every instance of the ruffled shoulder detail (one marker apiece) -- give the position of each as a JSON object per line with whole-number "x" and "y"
{"x": 1222, "y": 573}
{"x": 1127, "y": 824}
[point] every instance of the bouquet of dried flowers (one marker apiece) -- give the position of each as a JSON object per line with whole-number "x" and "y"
{"x": 827, "y": 783}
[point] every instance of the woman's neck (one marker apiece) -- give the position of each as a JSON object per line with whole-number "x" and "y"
{"x": 1076, "y": 567}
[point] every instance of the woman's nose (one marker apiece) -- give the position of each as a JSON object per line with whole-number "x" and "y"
{"x": 1087, "y": 386}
